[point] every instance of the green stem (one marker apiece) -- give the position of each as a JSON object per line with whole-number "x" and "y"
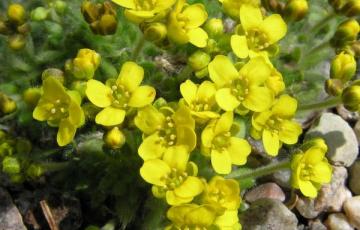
{"x": 329, "y": 103}
{"x": 184, "y": 74}
{"x": 259, "y": 172}
{"x": 138, "y": 48}
{"x": 318, "y": 26}
{"x": 318, "y": 48}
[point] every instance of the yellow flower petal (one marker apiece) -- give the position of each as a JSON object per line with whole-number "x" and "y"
{"x": 239, "y": 150}
{"x": 153, "y": 171}
{"x": 177, "y": 157}
{"x": 285, "y": 107}
{"x": 271, "y": 142}
{"x": 221, "y": 162}
{"x": 289, "y": 132}
{"x": 224, "y": 123}
{"x": 259, "y": 119}
{"x": 41, "y": 111}
{"x": 142, "y": 96}
{"x": 208, "y": 135}
{"x": 307, "y": 188}
{"x": 131, "y": 76}
{"x": 250, "y": 17}
{"x": 226, "y": 100}
{"x": 186, "y": 136}
{"x": 275, "y": 27}
{"x": 191, "y": 187}
{"x": 258, "y": 99}
{"x": 206, "y": 91}
{"x": 222, "y": 71}
{"x": 239, "y": 46}
{"x": 188, "y": 90}
{"x": 201, "y": 216}
{"x": 54, "y": 90}
{"x": 257, "y": 71}
{"x": 65, "y": 133}
{"x": 198, "y": 37}
{"x": 149, "y": 119}
{"x": 76, "y": 114}
{"x": 99, "y": 94}
{"x": 321, "y": 173}
{"x": 151, "y": 148}
{"x": 126, "y": 3}
{"x": 173, "y": 199}
{"x": 110, "y": 116}
{"x": 228, "y": 219}
{"x": 195, "y": 14}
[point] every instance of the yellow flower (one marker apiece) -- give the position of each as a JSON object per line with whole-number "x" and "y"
{"x": 60, "y": 108}
{"x": 258, "y": 34}
{"x": 165, "y": 129}
{"x": 232, "y": 7}
{"x": 120, "y": 95}
{"x": 173, "y": 177}
{"x": 275, "y": 82}
{"x": 191, "y": 216}
{"x": 222, "y": 193}
{"x": 200, "y": 99}
{"x": 139, "y": 11}
{"x": 241, "y": 90}
{"x": 194, "y": 216}
{"x": 275, "y": 126}
{"x": 184, "y": 24}
{"x": 85, "y": 64}
{"x": 310, "y": 170}
{"x": 223, "y": 148}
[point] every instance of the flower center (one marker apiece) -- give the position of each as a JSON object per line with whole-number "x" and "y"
{"x": 167, "y": 133}
{"x": 256, "y": 39}
{"x": 174, "y": 179}
{"x": 199, "y": 106}
{"x": 145, "y": 4}
{"x": 58, "y": 110}
{"x": 240, "y": 88}
{"x": 306, "y": 171}
{"x": 273, "y": 124}
{"x": 217, "y": 195}
{"x": 221, "y": 141}
{"x": 120, "y": 96}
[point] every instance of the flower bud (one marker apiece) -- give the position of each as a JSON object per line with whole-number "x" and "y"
{"x": 60, "y": 6}
{"x": 17, "y": 42}
{"x": 351, "y": 97}
{"x": 106, "y": 25}
{"x": 55, "y": 73}
{"x": 199, "y": 60}
{"x": 85, "y": 64}
{"x": 343, "y": 67}
{"x": 7, "y": 105}
{"x": 334, "y": 87}
{"x": 351, "y": 8}
{"x": 346, "y": 32}
{"x": 31, "y": 96}
{"x": 114, "y": 138}
{"x": 11, "y": 165}
{"x": 4, "y": 27}
{"x": 39, "y": 14}
{"x": 214, "y": 27}
{"x": 35, "y": 171}
{"x": 101, "y": 17}
{"x": 79, "y": 86}
{"x": 273, "y": 5}
{"x": 296, "y": 10}
{"x": 155, "y": 32}
{"x": 337, "y": 4}
{"x": 16, "y": 13}
{"x": 314, "y": 142}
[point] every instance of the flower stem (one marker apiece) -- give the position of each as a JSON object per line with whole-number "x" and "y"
{"x": 139, "y": 46}
{"x": 259, "y": 172}
{"x": 319, "y": 48}
{"x": 329, "y": 103}
{"x": 318, "y": 26}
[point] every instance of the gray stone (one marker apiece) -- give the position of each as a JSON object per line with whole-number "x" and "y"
{"x": 268, "y": 214}
{"x": 357, "y": 130}
{"x": 267, "y": 190}
{"x": 316, "y": 225}
{"x": 352, "y": 210}
{"x": 338, "y": 221}
{"x": 354, "y": 182}
{"x": 346, "y": 114}
{"x": 10, "y": 218}
{"x": 282, "y": 178}
{"x": 330, "y": 197}
{"x": 339, "y": 136}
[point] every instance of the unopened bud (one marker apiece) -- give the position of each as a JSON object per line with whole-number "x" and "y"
{"x": 351, "y": 97}
{"x": 351, "y": 8}
{"x": 334, "y": 87}
{"x": 273, "y": 5}
{"x": 343, "y": 67}
{"x": 39, "y": 14}
{"x": 114, "y": 138}
{"x": 296, "y": 10}
{"x": 199, "y": 60}
{"x": 60, "y": 6}
{"x": 155, "y": 32}
{"x": 101, "y": 17}
{"x": 214, "y": 27}
{"x": 337, "y": 4}
{"x": 314, "y": 142}
{"x": 11, "y": 165}
{"x": 346, "y": 32}
{"x": 106, "y": 25}
{"x": 35, "y": 171}
{"x": 85, "y": 64}
{"x": 31, "y": 96}
{"x": 4, "y": 28}
{"x": 55, "y": 73}
{"x": 17, "y": 42}
{"x": 16, "y": 13}
{"x": 80, "y": 87}
{"x": 7, "y": 105}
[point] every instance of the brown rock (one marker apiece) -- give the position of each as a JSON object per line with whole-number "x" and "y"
{"x": 352, "y": 210}
{"x": 338, "y": 221}
{"x": 268, "y": 190}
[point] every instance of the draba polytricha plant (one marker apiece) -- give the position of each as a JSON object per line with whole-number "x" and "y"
{"x": 151, "y": 108}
